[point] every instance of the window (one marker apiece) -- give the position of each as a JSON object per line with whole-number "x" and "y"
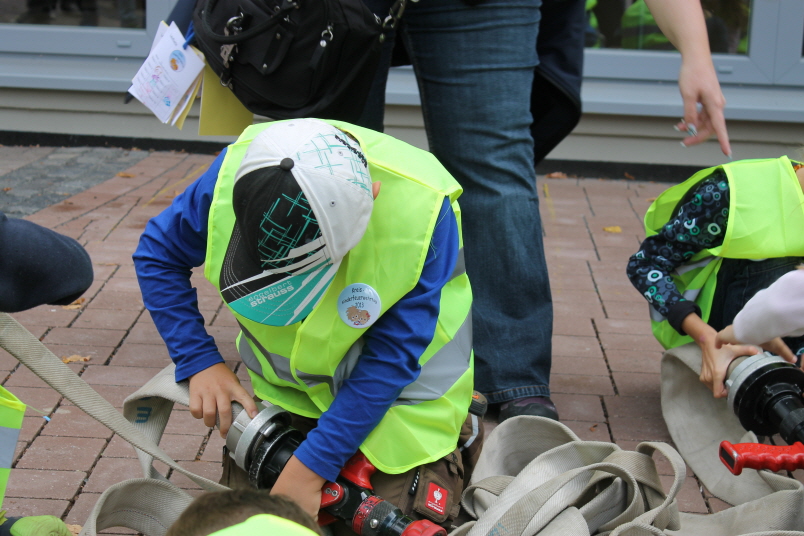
{"x": 753, "y": 42}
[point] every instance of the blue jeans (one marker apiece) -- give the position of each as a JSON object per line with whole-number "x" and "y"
{"x": 737, "y": 282}
{"x": 475, "y": 69}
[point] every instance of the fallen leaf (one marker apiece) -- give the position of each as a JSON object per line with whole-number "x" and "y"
{"x": 125, "y": 175}
{"x": 556, "y": 175}
{"x": 629, "y": 176}
{"x": 75, "y": 305}
{"x": 592, "y": 428}
{"x": 76, "y": 358}
{"x": 74, "y": 529}
{"x": 7, "y": 189}
{"x": 651, "y": 199}
{"x": 613, "y": 229}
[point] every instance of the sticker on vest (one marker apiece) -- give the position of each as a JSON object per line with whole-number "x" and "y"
{"x": 436, "y": 498}
{"x": 359, "y": 305}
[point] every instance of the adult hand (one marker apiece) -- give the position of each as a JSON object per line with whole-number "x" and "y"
{"x": 682, "y": 22}
{"x": 211, "y": 394}
{"x": 776, "y": 346}
{"x": 698, "y": 84}
{"x": 300, "y": 484}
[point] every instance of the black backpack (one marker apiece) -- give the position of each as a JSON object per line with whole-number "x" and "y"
{"x": 285, "y": 59}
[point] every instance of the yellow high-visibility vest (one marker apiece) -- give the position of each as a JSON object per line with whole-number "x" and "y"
{"x": 765, "y": 220}
{"x": 300, "y": 367}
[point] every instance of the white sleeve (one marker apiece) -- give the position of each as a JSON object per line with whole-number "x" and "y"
{"x": 777, "y": 311}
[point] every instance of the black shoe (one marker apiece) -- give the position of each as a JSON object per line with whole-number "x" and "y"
{"x": 537, "y": 406}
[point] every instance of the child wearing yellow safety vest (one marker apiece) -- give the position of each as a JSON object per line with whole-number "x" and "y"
{"x": 353, "y": 305}
{"x": 713, "y": 242}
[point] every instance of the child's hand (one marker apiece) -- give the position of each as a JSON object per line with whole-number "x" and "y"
{"x": 715, "y": 359}
{"x": 300, "y": 484}
{"x": 715, "y": 363}
{"x": 211, "y": 393}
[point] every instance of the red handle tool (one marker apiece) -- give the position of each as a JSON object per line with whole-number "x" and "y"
{"x": 759, "y": 456}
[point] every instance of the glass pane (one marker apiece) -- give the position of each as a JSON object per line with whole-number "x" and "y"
{"x": 628, "y": 24}
{"x": 102, "y": 13}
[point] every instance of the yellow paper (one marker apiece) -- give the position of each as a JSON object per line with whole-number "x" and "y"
{"x": 221, "y": 113}
{"x": 179, "y": 120}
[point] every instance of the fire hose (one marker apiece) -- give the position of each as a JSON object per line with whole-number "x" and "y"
{"x": 263, "y": 445}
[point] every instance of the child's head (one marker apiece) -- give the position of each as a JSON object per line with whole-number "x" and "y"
{"x": 216, "y": 511}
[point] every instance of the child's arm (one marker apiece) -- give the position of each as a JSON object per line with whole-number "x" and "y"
{"x": 172, "y": 244}
{"x": 689, "y": 231}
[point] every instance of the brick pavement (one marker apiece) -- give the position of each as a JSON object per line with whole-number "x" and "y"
{"x": 605, "y": 362}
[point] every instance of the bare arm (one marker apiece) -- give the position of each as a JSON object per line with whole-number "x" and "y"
{"x": 682, "y": 22}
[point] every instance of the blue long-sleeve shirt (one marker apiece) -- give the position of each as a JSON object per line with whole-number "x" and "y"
{"x": 175, "y": 241}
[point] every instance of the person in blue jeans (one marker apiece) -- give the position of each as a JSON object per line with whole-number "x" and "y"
{"x": 475, "y": 62}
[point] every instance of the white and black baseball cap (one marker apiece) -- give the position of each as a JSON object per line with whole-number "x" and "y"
{"x": 302, "y": 199}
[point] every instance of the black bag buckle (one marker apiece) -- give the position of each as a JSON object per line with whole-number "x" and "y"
{"x": 394, "y": 14}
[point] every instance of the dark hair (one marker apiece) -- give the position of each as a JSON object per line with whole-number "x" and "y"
{"x": 217, "y": 510}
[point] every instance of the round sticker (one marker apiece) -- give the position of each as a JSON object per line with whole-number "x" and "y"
{"x": 177, "y": 60}
{"x": 359, "y": 305}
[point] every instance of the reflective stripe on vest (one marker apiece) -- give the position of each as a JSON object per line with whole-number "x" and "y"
{"x": 302, "y": 366}
{"x": 765, "y": 199}
{"x": 437, "y": 375}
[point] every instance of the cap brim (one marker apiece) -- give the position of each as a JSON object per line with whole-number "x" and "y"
{"x": 272, "y": 299}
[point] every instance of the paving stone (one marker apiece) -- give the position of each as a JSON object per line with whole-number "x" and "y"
{"x": 564, "y": 345}
{"x": 76, "y": 454}
{"x": 44, "y": 484}
{"x": 585, "y": 365}
{"x": 142, "y": 355}
{"x": 96, "y": 354}
{"x": 572, "y": 326}
{"x": 589, "y": 431}
{"x": 95, "y": 318}
{"x": 637, "y": 342}
{"x": 114, "y": 375}
{"x": 110, "y": 471}
{"x": 16, "y": 507}
{"x": 578, "y": 383}
{"x": 631, "y": 361}
{"x": 632, "y": 429}
{"x": 637, "y": 384}
{"x": 114, "y": 394}
{"x": 578, "y": 407}
{"x": 69, "y": 421}
{"x": 84, "y": 337}
{"x": 46, "y": 315}
{"x": 112, "y": 299}
{"x": 41, "y": 399}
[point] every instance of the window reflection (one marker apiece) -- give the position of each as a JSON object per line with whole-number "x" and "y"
{"x": 628, "y": 24}
{"x": 103, "y": 13}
